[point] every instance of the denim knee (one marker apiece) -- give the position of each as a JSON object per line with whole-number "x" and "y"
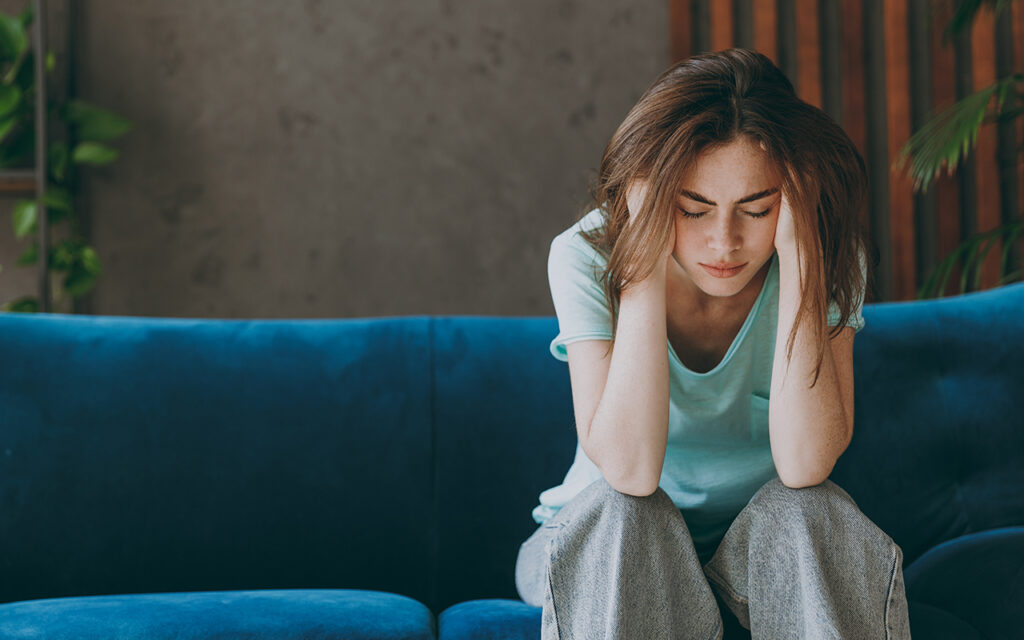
{"x": 812, "y": 508}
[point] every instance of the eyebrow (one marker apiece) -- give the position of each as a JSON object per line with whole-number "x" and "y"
{"x": 754, "y": 196}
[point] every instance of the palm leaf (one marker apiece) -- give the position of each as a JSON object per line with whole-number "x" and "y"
{"x": 964, "y": 15}
{"x": 971, "y": 255}
{"x": 949, "y": 135}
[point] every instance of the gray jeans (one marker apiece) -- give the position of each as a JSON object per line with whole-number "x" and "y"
{"x": 795, "y": 563}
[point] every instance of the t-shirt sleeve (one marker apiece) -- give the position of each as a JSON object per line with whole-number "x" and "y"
{"x": 856, "y": 319}
{"x": 578, "y": 296}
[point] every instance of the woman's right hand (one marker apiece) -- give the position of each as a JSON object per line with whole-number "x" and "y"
{"x": 635, "y": 195}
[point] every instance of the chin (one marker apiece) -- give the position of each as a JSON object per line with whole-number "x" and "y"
{"x": 721, "y": 289}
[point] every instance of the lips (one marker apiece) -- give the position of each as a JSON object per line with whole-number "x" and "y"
{"x": 728, "y": 272}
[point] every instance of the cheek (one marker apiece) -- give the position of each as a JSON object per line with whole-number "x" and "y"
{"x": 765, "y": 233}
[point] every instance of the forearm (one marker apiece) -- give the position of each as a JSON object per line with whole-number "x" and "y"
{"x": 808, "y": 428}
{"x": 629, "y": 431}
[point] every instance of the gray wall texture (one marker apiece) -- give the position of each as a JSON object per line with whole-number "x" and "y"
{"x": 347, "y": 158}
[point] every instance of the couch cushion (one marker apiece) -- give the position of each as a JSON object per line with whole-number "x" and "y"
{"x": 978, "y": 578}
{"x": 504, "y": 420}
{"x": 254, "y": 615}
{"x": 146, "y": 455}
{"x": 938, "y": 432}
{"x": 489, "y": 619}
{"x": 933, "y": 623}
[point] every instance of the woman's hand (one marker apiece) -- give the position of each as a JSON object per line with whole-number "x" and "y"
{"x": 635, "y": 195}
{"x": 785, "y": 234}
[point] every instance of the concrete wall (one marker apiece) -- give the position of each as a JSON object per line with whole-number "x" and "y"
{"x": 349, "y": 158}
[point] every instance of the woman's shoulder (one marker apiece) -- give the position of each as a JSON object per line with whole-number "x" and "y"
{"x": 572, "y": 238}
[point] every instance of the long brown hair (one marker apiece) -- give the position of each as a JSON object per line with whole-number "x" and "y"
{"x": 709, "y": 100}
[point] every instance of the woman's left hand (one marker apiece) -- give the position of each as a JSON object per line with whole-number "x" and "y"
{"x": 785, "y": 235}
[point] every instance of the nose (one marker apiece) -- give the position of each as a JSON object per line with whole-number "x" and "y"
{"x": 724, "y": 235}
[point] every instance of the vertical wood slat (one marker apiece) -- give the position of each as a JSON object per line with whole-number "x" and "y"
{"x": 721, "y": 24}
{"x": 946, "y": 186}
{"x": 852, "y": 64}
{"x": 679, "y": 19}
{"x": 766, "y": 27}
{"x": 983, "y": 57}
{"x": 1017, "y": 16}
{"x": 808, "y": 52}
{"x": 901, "y": 203}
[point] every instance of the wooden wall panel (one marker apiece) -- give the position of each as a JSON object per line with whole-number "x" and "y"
{"x": 766, "y": 27}
{"x": 808, "y": 52}
{"x": 789, "y": 32}
{"x": 986, "y": 161}
{"x": 947, "y": 187}
{"x": 680, "y": 22}
{"x": 901, "y": 202}
{"x": 852, "y": 60}
{"x": 1017, "y": 17}
{"x": 721, "y": 24}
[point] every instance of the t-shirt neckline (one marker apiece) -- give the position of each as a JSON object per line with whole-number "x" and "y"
{"x": 740, "y": 335}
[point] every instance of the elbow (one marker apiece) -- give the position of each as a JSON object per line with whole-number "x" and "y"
{"x": 635, "y": 483}
{"x": 640, "y": 489}
{"x": 800, "y": 483}
{"x": 800, "y": 479}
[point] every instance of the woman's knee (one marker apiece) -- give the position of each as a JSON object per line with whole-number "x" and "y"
{"x": 819, "y": 508}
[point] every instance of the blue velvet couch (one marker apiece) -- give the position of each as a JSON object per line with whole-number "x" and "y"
{"x": 373, "y": 478}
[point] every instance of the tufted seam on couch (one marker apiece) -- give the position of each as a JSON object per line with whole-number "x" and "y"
{"x": 435, "y": 542}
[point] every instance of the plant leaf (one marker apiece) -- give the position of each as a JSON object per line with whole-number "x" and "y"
{"x": 24, "y": 218}
{"x": 58, "y": 198}
{"x": 964, "y": 15}
{"x": 6, "y": 126}
{"x": 79, "y": 280}
{"x": 30, "y": 256}
{"x": 93, "y": 153}
{"x": 90, "y": 260}
{"x": 949, "y": 135}
{"x": 26, "y": 304}
{"x": 968, "y": 252}
{"x": 62, "y": 256}
{"x": 93, "y": 124}
{"x": 10, "y": 98}
{"x": 57, "y": 160}
{"x": 13, "y": 39}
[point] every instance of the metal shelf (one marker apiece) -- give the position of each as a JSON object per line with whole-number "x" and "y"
{"x": 18, "y": 182}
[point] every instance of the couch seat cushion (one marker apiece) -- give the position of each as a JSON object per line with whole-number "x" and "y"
{"x": 978, "y": 578}
{"x": 254, "y": 615}
{"x": 490, "y": 619}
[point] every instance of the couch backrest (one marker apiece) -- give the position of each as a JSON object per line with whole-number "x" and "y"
{"x": 405, "y": 454}
{"x": 148, "y": 454}
{"x": 938, "y": 444}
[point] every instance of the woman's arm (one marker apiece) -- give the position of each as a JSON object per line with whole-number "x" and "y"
{"x": 809, "y": 428}
{"x": 629, "y": 432}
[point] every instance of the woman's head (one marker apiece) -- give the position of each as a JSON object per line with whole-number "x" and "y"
{"x": 725, "y": 125}
{"x": 727, "y": 208}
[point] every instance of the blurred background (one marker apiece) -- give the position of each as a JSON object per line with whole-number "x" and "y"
{"x": 357, "y": 158}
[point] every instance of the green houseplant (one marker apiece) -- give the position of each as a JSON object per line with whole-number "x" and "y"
{"x": 89, "y": 130}
{"x": 946, "y": 139}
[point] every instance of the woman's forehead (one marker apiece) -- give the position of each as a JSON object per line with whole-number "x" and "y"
{"x": 730, "y": 173}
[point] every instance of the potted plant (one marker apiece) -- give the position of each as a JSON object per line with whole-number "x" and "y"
{"x": 89, "y": 130}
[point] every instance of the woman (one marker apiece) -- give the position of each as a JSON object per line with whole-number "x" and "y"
{"x": 707, "y": 308}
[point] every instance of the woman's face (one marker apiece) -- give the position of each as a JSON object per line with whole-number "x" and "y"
{"x": 726, "y": 212}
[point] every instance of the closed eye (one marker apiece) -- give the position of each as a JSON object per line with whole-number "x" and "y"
{"x": 752, "y": 214}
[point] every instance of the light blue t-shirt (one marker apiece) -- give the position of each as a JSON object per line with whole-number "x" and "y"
{"x": 718, "y": 453}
